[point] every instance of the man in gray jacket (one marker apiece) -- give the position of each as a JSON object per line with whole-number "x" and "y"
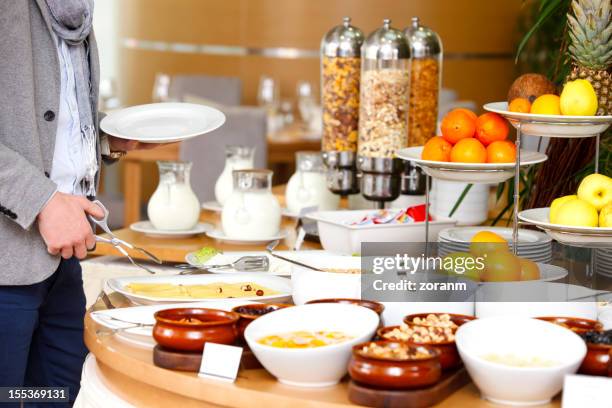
{"x": 50, "y": 156}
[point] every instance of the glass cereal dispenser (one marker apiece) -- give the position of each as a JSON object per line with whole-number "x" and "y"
{"x": 340, "y": 75}
{"x": 383, "y": 114}
{"x": 425, "y": 84}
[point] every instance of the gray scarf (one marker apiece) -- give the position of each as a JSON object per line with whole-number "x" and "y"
{"x": 71, "y": 21}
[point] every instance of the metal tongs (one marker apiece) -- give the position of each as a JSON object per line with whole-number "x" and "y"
{"x": 119, "y": 243}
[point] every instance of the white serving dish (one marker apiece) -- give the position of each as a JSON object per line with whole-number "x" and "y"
{"x": 311, "y": 367}
{"x": 481, "y": 173}
{"x": 552, "y": 125}
{"x": 577, "y": 236}
{"x": 277, "y": 283}
{"x": 524, "y": 337}
{"x": 220, "y": 236}
{"x": 162, "y": 122}
{"x": 147, "y": 228}
{"x": 309, "y": 285}
{"x": 556, "y": 300}
{"x": 464, "y": 235}
{"x": 338, "y": 236}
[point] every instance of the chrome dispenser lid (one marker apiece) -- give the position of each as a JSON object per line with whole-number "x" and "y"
{"x": 342, "y": 41}
{"x": 424, "y": 42}
{"x": 386, "y": 43}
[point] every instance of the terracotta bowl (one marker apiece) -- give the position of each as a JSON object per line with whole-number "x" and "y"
{"x": 575, "y": 324}
{"x": 173, "y": 330}
{"x": 598, "y": 360}
{"x": 379, "y": 308}
{"x": 449, "y": 355}
{"x": 458, "y": 319}
{"x": 388, "y": 373}
{"x": 256, "y": 310}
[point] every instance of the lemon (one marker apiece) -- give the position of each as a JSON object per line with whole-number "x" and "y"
{"x": 578, "y": 213}
{"x": 578, "y": 98}
{"x": 487, "y": 236}
{"x": 547, "y": 104}
{"x": 557, "y": 202}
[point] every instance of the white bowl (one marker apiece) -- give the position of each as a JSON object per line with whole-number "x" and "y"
{"x": 337, "y": 235}
{"x": 521, "y": 337}
{"x": 311, "y": 367}
{"x": 309, "y": 285}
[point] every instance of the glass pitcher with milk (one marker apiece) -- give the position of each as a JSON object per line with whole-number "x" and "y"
{"x": 174, "y": 206}
{"x": 236, "y": 158}
{"x": 308, "y": 185}
{"x": 251, "y": 211}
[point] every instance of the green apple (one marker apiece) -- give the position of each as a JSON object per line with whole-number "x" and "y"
{"x": 557, "y": 202}
{"x": 578, "y": 98}
{"x": 577, "y": 213}
{"x": 605, "y": 216}
{"x": 596, "y": 189}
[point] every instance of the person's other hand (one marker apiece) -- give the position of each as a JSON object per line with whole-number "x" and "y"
{"x": 64, "y": 227}
{"x": 125, "y": 145}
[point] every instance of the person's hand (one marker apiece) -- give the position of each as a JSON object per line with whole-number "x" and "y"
{"x": 64, "y": 227}
{"x": 125, "y": 145}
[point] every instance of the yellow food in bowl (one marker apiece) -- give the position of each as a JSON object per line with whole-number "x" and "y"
{"x": 513, "y": 360}
{"x": 215, "y": 290}
{"x": 304, "y": 339}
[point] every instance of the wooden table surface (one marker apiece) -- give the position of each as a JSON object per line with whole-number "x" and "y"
{"x": 129, "y": 372}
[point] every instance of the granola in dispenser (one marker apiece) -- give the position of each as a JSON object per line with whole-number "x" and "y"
{"x": 340, "y": 90}
{"x": 423, "y": 100}
{"x": 383, "y": 119}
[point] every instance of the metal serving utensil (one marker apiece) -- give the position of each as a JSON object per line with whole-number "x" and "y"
{"x": 270, "y": 249}
{"x": 119, "y": 243}
{"x": 245, "y": 263}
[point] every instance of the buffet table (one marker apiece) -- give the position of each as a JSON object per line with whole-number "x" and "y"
{"x": 128, "y": 371}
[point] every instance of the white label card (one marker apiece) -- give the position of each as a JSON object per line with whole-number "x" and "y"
{"x": 581, "y": 391}
{"x": 220, "y": 362}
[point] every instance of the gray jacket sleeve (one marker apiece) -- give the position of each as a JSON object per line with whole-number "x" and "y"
{"x": 24, "y": 189}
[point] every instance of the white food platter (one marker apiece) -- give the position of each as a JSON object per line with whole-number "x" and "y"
{"x": 482, "y": 173}
{"x": 122, "y": 319}
{"x": 527, "y": 238}
{"x": 276, "y": 283}
{"x": 552, "y": 125}
{"x": 162, "y": 122}
{"x": 220, "y": 236}
{"x": 595, "y": 237}
{"x": 217, "y": 207}
{"x": 147, "y": 228}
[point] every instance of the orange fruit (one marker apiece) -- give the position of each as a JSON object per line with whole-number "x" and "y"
{"x": 488, "y": 236}
{"x": 436, "y": 149}
{"x": 503, "y": 151}
{"x": 501, "y": 266}
{"x": 529, "y": 269}
{"x": 547, "y": 104}
{"x": 457, "y": 125}
{"x": 491, "y": 127}
{"x": 521, "y": 105}
{"x": 468, "y": 150}
{"x": 468, "y": 112}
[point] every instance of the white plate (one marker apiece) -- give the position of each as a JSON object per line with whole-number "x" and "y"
{"x": 527, "y": 238}
{"x": 220, "y": 236}
{"x": 141, "y": 336}
{"x": 553, "y": 125}
{"x": 281, "y": 285}
{"x": 277, "y": 266}
{"x": 147, "y": 228}
{"x": 217, "y": 207}
{"x": 578, "y": 236}
{"x": 483, "y": 173}
{"x": 162, "y": 122}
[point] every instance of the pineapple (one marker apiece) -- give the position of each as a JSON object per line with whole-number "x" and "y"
{"x": 590, "y": 31}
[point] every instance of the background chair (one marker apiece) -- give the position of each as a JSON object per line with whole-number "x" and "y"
{"x": 216, "y": 89}
{"x": 244, "y": 126}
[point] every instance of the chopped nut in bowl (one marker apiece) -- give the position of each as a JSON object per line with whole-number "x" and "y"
{"x": 394, "y": 365}
{"x": 450, "y": 320}
{"x": 440, "y": 338}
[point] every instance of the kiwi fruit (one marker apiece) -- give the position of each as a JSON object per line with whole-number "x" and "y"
{"x": 530, "y": 86}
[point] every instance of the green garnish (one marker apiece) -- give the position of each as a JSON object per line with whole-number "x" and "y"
{"x": 203, "y": 255}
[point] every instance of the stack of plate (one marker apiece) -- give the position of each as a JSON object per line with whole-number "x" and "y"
{"x": 603, "y": 262}
{"x": 533, "y": 245}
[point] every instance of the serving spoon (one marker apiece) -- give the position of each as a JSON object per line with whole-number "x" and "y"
{"x": 270, "y": 249}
